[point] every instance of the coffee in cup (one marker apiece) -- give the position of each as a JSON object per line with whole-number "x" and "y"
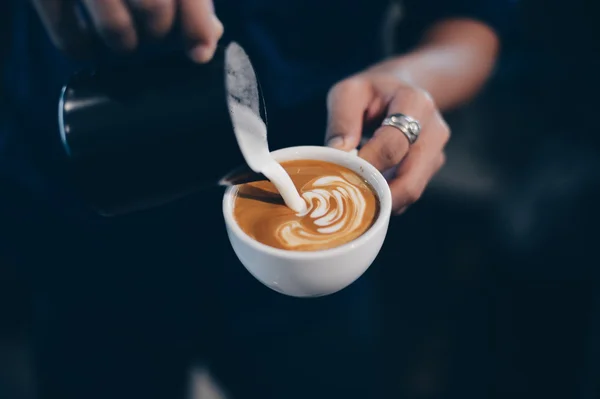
{"x": 312, "y": 272}
{"x": 341, "y": 207}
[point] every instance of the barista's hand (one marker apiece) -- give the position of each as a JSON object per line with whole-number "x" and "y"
{"x": 122, "y": 23}
{"x": 367, "y": 98}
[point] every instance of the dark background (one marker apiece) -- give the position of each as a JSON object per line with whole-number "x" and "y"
{"x": 496, "y": 289}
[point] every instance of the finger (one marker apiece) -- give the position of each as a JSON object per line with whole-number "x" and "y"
{"x": 154, "y": 16}
{"x": 114, "y": 23}
{"x": 423, "y": 161}
{"x": 406, "y": 192}
{"x": 389, "y": 145}
{"x": 66, "y": 29}
{"x": 201, "y": 28}
{"x": 347, "y": 103}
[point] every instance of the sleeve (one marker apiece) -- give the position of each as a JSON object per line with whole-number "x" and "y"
{"x": 498, "y": 14}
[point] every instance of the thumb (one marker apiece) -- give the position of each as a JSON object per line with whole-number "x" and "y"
{"x": 347, "y": 102}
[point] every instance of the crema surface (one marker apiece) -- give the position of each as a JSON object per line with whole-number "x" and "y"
{"x": 341, "y": 207}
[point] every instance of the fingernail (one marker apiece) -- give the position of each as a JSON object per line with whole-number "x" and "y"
{"x": 336, "y": 142}
{"x": 202, "y": 53}
{"x": 219, "y": 29}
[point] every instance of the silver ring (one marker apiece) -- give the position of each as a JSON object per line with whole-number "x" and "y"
{"x": 410, "y": 127}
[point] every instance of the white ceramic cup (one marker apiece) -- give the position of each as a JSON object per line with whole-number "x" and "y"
{"x": 313, "y": 273}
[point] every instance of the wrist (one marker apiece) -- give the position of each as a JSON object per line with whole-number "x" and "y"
{"x": 410, "y": 69}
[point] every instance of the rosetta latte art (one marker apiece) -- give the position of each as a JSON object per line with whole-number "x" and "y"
{"x": 336, "y": 208}
{"x": 341, "y": 207}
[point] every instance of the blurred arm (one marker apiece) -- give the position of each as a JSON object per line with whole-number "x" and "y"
{"x": 455, "y": 46}
{"x": 452, "y": 62}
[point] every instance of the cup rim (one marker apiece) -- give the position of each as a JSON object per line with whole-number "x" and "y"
{"x": 367, "y": 171}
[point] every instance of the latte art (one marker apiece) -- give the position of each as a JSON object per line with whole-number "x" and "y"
{"x": 341, "y": 207}
{"x": 336, "y": 208}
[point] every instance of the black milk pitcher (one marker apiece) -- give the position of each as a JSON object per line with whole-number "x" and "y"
{"x": 140, "y": 135}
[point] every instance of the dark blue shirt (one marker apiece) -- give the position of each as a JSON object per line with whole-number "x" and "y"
{"x": 299, "y": 48}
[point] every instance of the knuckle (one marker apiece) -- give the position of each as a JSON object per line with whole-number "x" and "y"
{"x": 388, "y": 155}
{"x": 445, "y": 131}
{"x": 391, "y": 149}
{"x": 440, "y": 128}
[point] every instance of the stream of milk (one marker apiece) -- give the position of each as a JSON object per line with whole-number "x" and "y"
{"x": 251, "y": 134}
